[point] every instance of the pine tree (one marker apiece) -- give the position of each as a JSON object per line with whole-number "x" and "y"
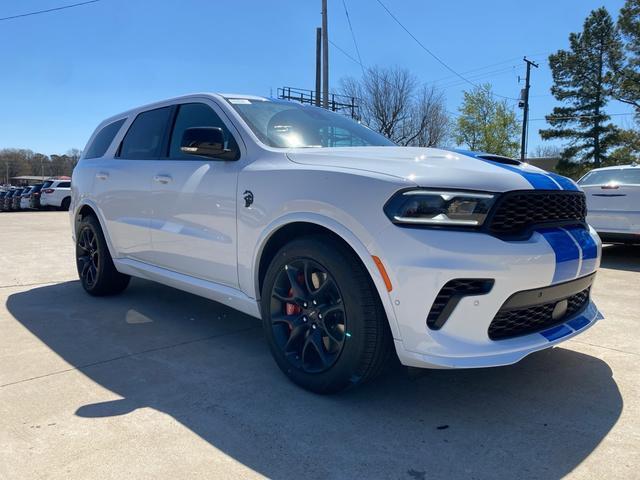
{"x": 628, "y": 79}
{"x": 583, "y": 82}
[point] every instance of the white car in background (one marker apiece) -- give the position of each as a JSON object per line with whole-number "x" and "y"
{"x": 613, "y": 202}
{"x": 56, "y": 194}
{"x": 347, "y": 246}
{"x": 25, "y": 198}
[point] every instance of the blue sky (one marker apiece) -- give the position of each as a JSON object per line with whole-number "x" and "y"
{"x": 61, "y": 73}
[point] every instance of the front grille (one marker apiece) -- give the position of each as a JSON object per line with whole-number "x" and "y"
{"x": 509, "y": 323}
{"x": 450, "y": 295}
{"x": 518, "y": 212}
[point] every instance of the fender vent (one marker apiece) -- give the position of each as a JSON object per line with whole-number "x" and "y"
{"x": 449, "y": 296}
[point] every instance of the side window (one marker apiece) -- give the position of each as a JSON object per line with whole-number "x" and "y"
{"x": 103, "y": 139}
{"x": 196, "y": 115}
{"x": 64, "y": 185}
{"x": 145, "y": 136}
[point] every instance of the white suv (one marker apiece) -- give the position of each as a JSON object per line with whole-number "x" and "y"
{"x": 346, "y": 245}
{"x": 56, "y": 193}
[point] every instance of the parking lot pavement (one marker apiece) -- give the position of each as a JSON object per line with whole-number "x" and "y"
{"x": 157, "y": 383}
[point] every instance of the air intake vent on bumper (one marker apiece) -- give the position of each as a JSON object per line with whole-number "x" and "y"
{"x": 451, "y": 294}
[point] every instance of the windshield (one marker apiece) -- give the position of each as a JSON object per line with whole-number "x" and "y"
{"x": 282, "y": 124}
{"x": 622, "y": 176}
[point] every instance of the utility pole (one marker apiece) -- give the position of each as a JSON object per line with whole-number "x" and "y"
{"x": 318, "y": 65}
{"x": 524, "y": 102}
{"x": 325, "y": 57}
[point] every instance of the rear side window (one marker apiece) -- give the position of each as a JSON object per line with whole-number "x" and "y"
{"x": 103, "y": 139}
{"x": 196, "y": 115}
{"x": 144, "y": 140}
{"x": 622, "y": 176}
{"x": 64, "y": 185}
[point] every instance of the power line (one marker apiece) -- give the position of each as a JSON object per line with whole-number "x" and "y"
{"x": 353, "y": 35}
{"x": 345, "y": 53}
{"x": 38, "y": 12}
{"x": 438, "y": 59}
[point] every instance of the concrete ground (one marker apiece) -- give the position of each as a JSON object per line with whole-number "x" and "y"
{"x": 156, "y": 383}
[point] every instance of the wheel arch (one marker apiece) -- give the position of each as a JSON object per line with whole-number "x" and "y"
{"x": 286, "y": 231}
{"x": 89, "y": 208}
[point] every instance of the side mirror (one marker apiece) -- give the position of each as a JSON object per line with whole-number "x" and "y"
{"x": 203, "y": 141}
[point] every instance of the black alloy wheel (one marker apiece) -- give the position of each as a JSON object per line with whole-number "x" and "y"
{"x": 307, "y": 315}
{"x": 96, "y": 270}
{"x": 322, "y": 316}
{"x": 89, "y": 257}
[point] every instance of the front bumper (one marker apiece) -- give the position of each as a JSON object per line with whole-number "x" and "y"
{"x": 420, "y": 262}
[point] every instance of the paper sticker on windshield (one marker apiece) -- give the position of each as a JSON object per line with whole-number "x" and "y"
{"x": 239, "y": 101}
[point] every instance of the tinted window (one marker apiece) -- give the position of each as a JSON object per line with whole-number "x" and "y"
{"x": 36, "y": 188}
{"x": 196, "y": 115}
{"x": 103, "y": 139}
{"x": 144, "y": 138}
{"x": 64, "y": 185}
{"x": 623, "y": 176}
{"x": 47, "y": 184}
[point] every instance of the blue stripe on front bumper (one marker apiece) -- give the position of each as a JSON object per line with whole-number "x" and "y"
{"x": 556, "y": 332}
{"x": 588, "y": 247}
{"x": 566, "y": 251}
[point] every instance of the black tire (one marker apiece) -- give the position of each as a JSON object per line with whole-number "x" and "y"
{"x": 341, "y": 361}
{"x": 97, "y": 273}
{"x": 66, "y": 202}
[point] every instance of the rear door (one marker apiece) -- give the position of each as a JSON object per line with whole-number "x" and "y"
{"x": 613, "y": 199}
{"x": 122, "y": 184}
{"x": 194, "y": 201}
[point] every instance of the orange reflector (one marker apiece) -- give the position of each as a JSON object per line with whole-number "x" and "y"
{"x": 383, "y": 272}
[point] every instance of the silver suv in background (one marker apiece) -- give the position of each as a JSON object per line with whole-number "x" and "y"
{"x": 613, "y": 202}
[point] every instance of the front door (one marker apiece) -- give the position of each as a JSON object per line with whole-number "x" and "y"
{"x": 193, "y": 229}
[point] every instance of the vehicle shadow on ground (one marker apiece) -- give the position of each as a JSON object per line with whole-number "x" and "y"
{"x": 621, "y": 257}
{"x": 208, "y": 367}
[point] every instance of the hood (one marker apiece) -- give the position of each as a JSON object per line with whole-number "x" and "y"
{"x": 436, "y": 168}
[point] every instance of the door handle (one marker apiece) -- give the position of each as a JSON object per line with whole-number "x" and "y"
{"x": 102, "y": 175}
{"x": 164, "y": 179}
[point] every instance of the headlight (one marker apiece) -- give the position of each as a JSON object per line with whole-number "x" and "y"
{"x": 439, "y": 208}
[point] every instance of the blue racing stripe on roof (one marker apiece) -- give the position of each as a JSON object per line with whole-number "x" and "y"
{"x": 539, "y": 181}
{"x": 566, "y": 251}
{"x": 588, "y": 246}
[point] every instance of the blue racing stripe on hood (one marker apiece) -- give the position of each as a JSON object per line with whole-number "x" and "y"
{"x": 538, "y": 180}
{"x": 564, "y": 182}
{"x": 566, "y": 251}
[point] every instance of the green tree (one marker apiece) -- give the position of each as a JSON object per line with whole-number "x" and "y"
{"x": 629, "y": 150}
{"x": 627, "y": 81}
{"x": 583, "y": 82}
{"x": 487, "y": 124}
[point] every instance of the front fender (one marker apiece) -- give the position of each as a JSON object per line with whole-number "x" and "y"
{"x": 345, "y": 234}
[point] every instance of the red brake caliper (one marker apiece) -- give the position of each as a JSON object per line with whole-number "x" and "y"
{"x": 292, "y": 308}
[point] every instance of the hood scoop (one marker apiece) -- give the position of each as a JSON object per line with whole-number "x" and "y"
{"x": 500, "y": 159}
